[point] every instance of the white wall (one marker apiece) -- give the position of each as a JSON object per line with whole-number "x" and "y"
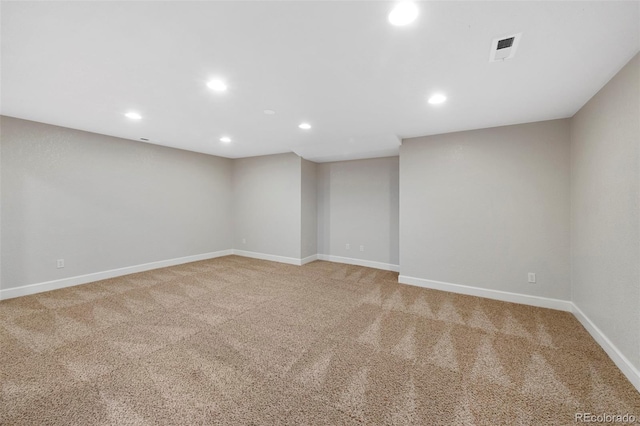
{"x": 267, "y": 205}
{"x": 102, "y": 203}
{"x": 605, "y": 212}
{"x": 483, "y": 208}
{"x": 358, "y": 205}
{"x": 1, "y": 202}
{"x": 309, "y": 206}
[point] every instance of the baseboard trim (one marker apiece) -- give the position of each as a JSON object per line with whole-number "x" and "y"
{"x": 360, "y": 262}
{"x": 621, "y": 361}
{"x": 271, "y": 257}
{"x": 505, "y": 296}
{"x": 308, "y": 259}
{"x": 26, "y": 290}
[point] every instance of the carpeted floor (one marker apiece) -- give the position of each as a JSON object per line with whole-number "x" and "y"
{"x": 241, "y": 341}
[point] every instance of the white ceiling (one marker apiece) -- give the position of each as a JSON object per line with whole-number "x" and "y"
{"x": 362, "y": 83}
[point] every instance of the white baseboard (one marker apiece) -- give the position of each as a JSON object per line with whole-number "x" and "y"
{"x": 308, "y": 259}
{"x": 26, "y": 290}
{"x": 271, "y": 257}
{"x": 621, "y": 361}
{"x": 360, "y": 262}
{"x": 542, "y": 302}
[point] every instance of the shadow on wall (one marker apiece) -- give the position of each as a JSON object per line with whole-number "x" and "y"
{"x": 394, "y": 223}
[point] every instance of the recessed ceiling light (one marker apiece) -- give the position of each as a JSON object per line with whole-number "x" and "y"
{"x": 133, "y": 115}
{"x": 404, "y": 13}
{"x": 305, "y": 126}
{"x": 225, "y": 139}
{"x": 269, "y": 111}
{"x": 217, "y": 85}
{"x": 436, "y": 99}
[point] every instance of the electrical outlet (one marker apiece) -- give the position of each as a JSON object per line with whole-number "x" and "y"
{"x": 60, "y": 263}
{"x": 244, "y": 241}
{"x": 532, "y": 277}
{"x": 347, "y": 246}
{"x": 361, "y": 248}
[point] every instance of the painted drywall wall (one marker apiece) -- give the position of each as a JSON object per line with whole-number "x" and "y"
{"x": 102, "y": 203}
{"x": 1, "y": 202}
{"x": 267, "y": 205}
{"x": 309, "y": 206}
{"x": 358, "y": 205}
{"x": 483, "y": 208}
{"x": 605, "y": 212}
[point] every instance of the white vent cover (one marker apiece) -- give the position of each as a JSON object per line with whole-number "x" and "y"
{"x": 503, "y": 48}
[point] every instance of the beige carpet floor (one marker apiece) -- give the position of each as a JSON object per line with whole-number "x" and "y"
{"x": 241, "y": 341}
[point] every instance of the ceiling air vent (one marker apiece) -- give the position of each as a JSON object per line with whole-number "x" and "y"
{"x": 503, "y": 48}
{"x": 505, "y": 42}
